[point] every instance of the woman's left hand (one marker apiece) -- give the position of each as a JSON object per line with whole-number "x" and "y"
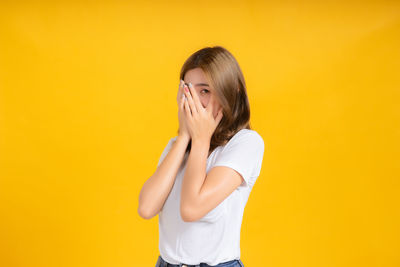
{"x": 200, "y": 121}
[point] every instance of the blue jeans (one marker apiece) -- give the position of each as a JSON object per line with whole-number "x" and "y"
{"x": 232, "y": 263}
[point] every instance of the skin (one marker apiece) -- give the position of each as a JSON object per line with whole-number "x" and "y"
{"x": 198, "y": 116}
{"x": 205, "y": 92}
{"x": 201, "y": 191}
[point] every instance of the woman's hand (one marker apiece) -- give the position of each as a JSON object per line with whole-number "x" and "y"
{"x": 183, "y": 130}
{"x": 200, "y": 121}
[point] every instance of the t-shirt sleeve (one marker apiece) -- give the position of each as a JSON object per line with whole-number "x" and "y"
{"x": 244, "y": 153}
{"x": 166, "y": 150}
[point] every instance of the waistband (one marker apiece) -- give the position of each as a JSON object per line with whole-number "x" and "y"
{"x": 162, "y": 263}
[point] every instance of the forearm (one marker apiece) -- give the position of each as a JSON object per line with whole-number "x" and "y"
{"x": 195, "y": 174}
{"x": 157, "y": 188}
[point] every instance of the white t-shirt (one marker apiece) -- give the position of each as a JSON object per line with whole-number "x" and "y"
{"x": 215, "y": 238}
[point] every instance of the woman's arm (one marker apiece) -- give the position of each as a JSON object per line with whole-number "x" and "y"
{"x": 202, "y": 192}
{"x": 157, "y": 188}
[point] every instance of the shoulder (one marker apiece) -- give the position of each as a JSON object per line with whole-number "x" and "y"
{"x": 244, "y": 153}
{"x": 247, "y": 136}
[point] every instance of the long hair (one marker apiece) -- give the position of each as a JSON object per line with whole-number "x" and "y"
{"x": 225, "y": 76}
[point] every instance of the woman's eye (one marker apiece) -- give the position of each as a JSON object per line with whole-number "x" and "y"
{"x": 204, "y": 90}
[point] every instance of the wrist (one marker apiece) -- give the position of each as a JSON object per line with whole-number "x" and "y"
{"x": 201, "y": 142}
{"x": 183, "y": 138}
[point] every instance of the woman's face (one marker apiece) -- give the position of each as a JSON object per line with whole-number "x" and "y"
{"x": 204, "y": 90}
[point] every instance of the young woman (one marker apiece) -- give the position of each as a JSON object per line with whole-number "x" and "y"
{"x": 205, "y": 174}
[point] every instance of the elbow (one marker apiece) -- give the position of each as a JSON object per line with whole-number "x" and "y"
{"x": 145, "y": 208}
{"x": 145, "y": 213}
{"x": 187, "y": 213}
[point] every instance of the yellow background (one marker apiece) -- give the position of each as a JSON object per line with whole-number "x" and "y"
{"x": 88, "y": 103}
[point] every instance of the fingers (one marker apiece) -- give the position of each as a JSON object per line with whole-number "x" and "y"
{"x": 187, "y": 109}
{"x": 195, "y": 97}
{"x": 182, "y": 102}
{"x": 190, "y": 100}
{"x": 180, "y": 91}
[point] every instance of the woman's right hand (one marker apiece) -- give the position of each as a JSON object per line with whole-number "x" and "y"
{"x": 183, "y": 131}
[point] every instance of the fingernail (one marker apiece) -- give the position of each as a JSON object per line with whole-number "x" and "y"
{"x": 190, "y": 84}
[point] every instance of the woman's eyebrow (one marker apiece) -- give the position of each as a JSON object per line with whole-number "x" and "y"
{"x": 201, "y": 84}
